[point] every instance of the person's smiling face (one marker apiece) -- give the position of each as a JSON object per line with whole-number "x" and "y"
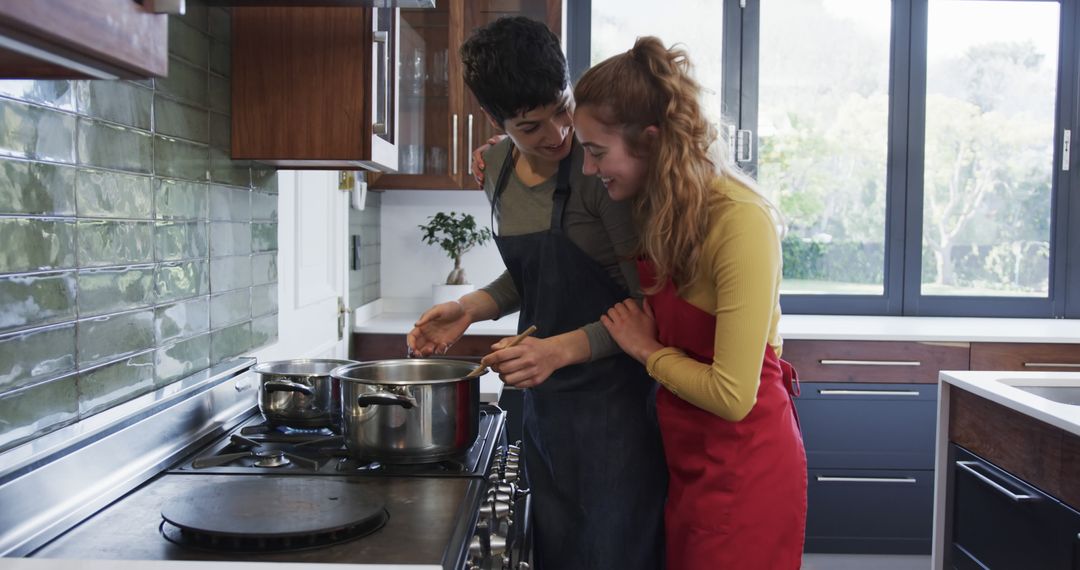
{"x": 608, "y": 156}
{"x": 545, "y": 132}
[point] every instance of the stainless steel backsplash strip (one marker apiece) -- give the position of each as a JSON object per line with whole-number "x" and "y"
{"x": 52, "y": 483}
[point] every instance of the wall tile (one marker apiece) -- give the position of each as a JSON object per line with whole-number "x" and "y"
{"x": 227, "y": 171}
{"x": 196, "y": 15}
{"x": 220, "y": 94}
{"x": 106, "y": 194}
{"x": 117, "y": 101}
{"x": 188, "y": 43}
{"x": 230, "y": 342}
{"x": 180, "y": 200}
{"x": 264, "y": 206}
{"x": 111, "y": 384}
{"x": 228, "y": 273}
{"x": 264, "y": 330}
{"x": 181, "y": 320}
{"x": 35, "y": 132}
{"x": 180, "y": 159}
{"x": 264, "y": 300}
{"x": 36, "y": 188}
{"x": 229, "y": 308}
{"x": 113, "y": 146}
{"x": 175, "y": 281}
{"x": 37, "y": 409}
{"x": 263, "y": 237}
{"x": 175, "y": 361}
{"x": 264, "y": 269}
{"x": 230, "y": 204}
{"x": 229, "y": 238}
{"x": 185, "y": 82}
{"x": 220, "y": 131}
{"x": 37, "y": 354}
{"x": 181, "y": 120}
{"x": 220, "y": 24}
{"x": 116, "y": 289}
{"x": 220, "y": 61}
{"x": 38, "y": 299}
{"x": 101, "y": 339}
{"x": 265, "y": 180}
{"x": 181, "y": 240}
{"x": 107, "y": 242}
{"x": 34, "y": 244}
{"x": 59, "y": 94}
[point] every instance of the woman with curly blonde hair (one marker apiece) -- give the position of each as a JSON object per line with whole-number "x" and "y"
{"x": 710, "y": 264}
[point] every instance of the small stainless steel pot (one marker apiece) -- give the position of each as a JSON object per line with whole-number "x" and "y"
{"x": 409, "y": 410}
{"x": 300, "y": 393}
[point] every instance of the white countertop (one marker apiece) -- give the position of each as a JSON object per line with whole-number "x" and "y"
{"x": 396, "y": 316}
{"x": 1000, "y": 387}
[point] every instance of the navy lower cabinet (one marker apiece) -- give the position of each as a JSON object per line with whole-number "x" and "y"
{"x": 999, "y": 521}
{"x": 870, "y": 456}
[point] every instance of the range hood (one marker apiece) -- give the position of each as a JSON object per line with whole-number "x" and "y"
{"x": 314, "y": 3}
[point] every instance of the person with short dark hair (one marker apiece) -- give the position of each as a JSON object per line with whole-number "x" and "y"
{"x": 592, "y": 450}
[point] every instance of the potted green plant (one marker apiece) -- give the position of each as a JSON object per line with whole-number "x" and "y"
{"x": 455, "y": 234}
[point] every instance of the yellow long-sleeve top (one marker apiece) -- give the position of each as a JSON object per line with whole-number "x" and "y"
{"x": 739, "y": 282}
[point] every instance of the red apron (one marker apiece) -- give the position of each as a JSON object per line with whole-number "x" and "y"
{"x": 737, "y": 490}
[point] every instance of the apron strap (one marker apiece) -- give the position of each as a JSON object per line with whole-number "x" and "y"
{"x": 562, "y": 194}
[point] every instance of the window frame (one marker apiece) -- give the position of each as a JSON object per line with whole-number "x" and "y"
{"x": 902, "y": 285}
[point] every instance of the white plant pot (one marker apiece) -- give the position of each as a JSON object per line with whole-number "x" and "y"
{"x": 442, "y": 293}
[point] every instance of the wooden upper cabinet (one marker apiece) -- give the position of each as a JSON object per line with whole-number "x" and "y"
{"x": 440, "y": 122}
{"x": 81, "y": 39}
{"x": 1032, "y": 357}
{"x": 314, "y": 87}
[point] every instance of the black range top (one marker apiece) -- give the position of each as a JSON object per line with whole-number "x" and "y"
{"x": 361, "y": 511}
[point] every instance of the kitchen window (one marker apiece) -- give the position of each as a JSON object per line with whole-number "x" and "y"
{"x": 917, "y": 148}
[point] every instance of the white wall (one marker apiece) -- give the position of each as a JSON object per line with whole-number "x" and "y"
{"x": 409, "y": 266}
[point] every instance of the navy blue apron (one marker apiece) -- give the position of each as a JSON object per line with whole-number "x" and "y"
{"x": 593, "y": 454}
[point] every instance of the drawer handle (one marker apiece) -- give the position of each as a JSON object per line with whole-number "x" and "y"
{"x": 840, "y": 362}
{"x": 828, "y": 479}
{"x": 1052, "y": 365}
{"x": 969, "y": 466}
{"x": 868, "y": 392}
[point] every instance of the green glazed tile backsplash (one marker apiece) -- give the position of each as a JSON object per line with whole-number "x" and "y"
{"x": 133, "y": 246}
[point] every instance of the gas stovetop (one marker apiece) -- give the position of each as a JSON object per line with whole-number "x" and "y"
{"x": 256, "y": 447}
{"x": 363, "y": 512}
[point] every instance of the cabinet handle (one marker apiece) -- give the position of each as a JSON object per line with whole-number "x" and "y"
{"x": 1052, "y": 365}
{"x": 969, "y": 466}
{"x": 381, "y": 39}
{"x": 827, "y": 392}
{"x": 454, "y": 144}
{"x": 828, "y": 479}
{"x": 827, "y": 362}
{"x": 469, "y": 147}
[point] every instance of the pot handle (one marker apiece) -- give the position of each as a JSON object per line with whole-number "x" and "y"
{"x": 384, "y": 398}
{"x": 287, "y": 386}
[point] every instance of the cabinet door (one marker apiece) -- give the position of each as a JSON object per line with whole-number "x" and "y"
{"x": 999, "y": 521}
{"x": 1023, "y": 356}
{"x": 440, "y": 122}
{"x": 874, "y": 361}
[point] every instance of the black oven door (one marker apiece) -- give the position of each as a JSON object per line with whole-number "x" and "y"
{"x": 998, "y": 521}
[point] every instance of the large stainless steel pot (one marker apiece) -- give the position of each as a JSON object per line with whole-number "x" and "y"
{"x": 408, "y": 410}
{"x": 300, "y": 393}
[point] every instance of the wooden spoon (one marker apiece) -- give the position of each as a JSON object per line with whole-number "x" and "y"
{"x": 481, "y": 368}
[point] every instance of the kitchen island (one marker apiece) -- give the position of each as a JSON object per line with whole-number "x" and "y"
{"x": 1007, "y": 488}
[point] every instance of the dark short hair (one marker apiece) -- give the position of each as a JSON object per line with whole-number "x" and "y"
{"x": 514, "y": 65}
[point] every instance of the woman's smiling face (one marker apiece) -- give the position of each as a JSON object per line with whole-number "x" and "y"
{"x": 608, "y": 156}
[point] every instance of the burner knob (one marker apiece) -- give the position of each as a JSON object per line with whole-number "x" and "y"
{"x": 498, "y": 544}
{"x": 524, "y": 566}
{"x": 494, "y": 495}
{"x": 476, "y": 549}
{"x": 494, "y": 509}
